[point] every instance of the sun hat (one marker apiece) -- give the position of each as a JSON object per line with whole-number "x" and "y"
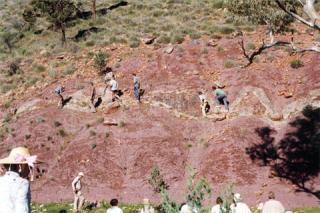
{"x": 20, "y": 155}
{"x": 80, "y": 174}
{"x": 237, "y": 197}
{"x": 146, "y": 201}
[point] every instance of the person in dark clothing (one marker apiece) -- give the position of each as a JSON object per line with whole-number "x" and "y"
{"x": 220, "y": 97}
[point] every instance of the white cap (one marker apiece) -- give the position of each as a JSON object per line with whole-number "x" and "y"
{"x": 81, "y": 174}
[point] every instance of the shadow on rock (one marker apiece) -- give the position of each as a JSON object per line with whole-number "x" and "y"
{"x": 296, "y": 157}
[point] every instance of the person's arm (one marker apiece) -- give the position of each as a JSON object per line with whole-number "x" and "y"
{"x": 21, "y": 202}
{"x": 74, "y": 184}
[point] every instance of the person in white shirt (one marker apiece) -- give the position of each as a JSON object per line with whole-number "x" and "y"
{"x": 187, "y": 209}
{"x": 15, "y": 195}
{"x": 272, "y": 205}
{"x": 238, "y": 206}
{"x": 114, "y": 207}
{"x": 113, "y": 84}
{"x": 146, "y": 207}
{"x": 78, "y": 196}
{"x": 218, "y": 207}
{"x": 204, "y": 104}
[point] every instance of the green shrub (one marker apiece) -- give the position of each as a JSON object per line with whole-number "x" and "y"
{"x": 90, "y": 43}
{"x": 177, "y": 39}
{"x": 297, "y": 63}
{"x": 100, "y": 60}
{"x": 226, "y": 30}
{"x": 32, "y": 80}
{"x": 229, "y": 63}
{"x": 250, "y": 46}
{"x": 134, "y": 42}
{"x": 164, "y": 39}
{"x": 53, "y": 74}
{"x": 38, "y": 68}
{"x": 69, "y": 70}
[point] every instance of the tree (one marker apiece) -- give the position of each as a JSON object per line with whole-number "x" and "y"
{"x": 277, "y": 15}
{"x": 94, "y": 11}
{"x": 57, "y": 12}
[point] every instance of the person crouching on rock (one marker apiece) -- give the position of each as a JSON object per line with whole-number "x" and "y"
{"x": 58, "y": 91}
{"x": 204, "y": 104}
{"x": 15, "y": 195}
{"x": 78, "y": 197}
{"x": 220, "y": 97}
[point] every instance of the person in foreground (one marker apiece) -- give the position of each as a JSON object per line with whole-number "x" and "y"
{"x": 218, "y": 208}
{"x": 238, "y": 206}
{"x": 78, "y": 196}
{"x": 272, "y": 205}
{"x": 15, "y": 195}
{"x": 114, "y": 207}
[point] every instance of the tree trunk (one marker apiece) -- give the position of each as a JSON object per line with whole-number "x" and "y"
{"x": 63, "y": 34}
{"x": 94, "y": 12}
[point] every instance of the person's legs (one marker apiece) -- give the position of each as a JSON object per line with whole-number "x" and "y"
{"x": 225, "y": 103}
{"x": 60, "y": 104}
{"x": 136, "y": 93}
{"x": 75, "y": 203}
{"x": 203, "y": 110}
{"x": 81, "y": 201}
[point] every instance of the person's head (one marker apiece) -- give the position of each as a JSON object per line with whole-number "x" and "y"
{"x": 214, "y": 87}
{"x": 145, "y": 202}
{"x": 200, "y": 93}
{"x": 219, "y": 200}
{"x": 134, "y": 74}
{"x": 114, "y": 202}
{"x": 271, "y": 195}
{"x": 20, "y": 161}
{"x": 80, "y": 174}
{"x": 113, "y": 77}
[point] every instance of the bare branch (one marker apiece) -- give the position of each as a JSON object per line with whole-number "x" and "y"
{"x": 263, "y": 47}
{"x": 309, "y": 10}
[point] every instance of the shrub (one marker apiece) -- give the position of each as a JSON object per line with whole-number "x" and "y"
{"x": 164, "y": 39}
{"x": 32, "y": 80}
{"x": 226, "y": 30}
{"x": 69, "y": 70}
{"x": 62, "y": 133}
{"x": 53, "y": 74}
{"x": 157, "y": 181}
{"x": 90, "y": 43}
{"x": 297, "y": 63}
{"x": 13, "y": 68}
{"x": 177, "y": 38}
{"x": 57, "y": 124}
{"x": 134, "y": 42}
{"x": 100, "y": 60}
{"x": 250, "y": 46}
{"x": 229, "y": 63}
{"x": 38, "y": 68}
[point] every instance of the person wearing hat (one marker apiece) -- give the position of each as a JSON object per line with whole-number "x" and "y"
{"x": 15, "y": 195}
{"x": 146, "y": 207}
{"x": 238, "y": 206}
{"x": 272, "y": 205}
{"x": 78, "y": 197}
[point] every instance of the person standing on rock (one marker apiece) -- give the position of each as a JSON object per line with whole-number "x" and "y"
{"x": 114, "y": 207}
{"x": 15, "y": 194}
{"x": 58, "y": 91}
{"x": 238, "y": 206}
{"x": 272, "y": 205}
{"x": 114, "y": 88}
{"x": 220, "y": 97}
{"x": 136, "y": 87}
{"x": 78, "y": 196}
{"x": 204, "y": 104}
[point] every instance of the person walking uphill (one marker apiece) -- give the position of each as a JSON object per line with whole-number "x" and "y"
{"x": 58, "y": 91}
{"x": 114, "y": 88}
{"x": 15, "y": 195}
{"x": 78, "y": 197}
{"x": 136, "y": 87}
{"x": 220, "y": 97}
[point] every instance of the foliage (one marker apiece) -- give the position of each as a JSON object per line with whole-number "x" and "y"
{"x": 264, "y": 12}
{"x": 296, "y": 63}
{"x": 57, "y": 12}
{"x": 157, "y": 181}
{"x": 100, "y": 60}
{"x": 197, "y": 192}
{"x": 227, "y": 198}
{"x": 13, "y": 68}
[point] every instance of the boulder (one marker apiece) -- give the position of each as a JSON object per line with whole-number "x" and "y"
{"x": 276, "y": 116}
{"x": 169, "y": 49}
{"x": 80, "y": 102}
{"x": 29, "y": 106}
{"x": 110, "y": 107}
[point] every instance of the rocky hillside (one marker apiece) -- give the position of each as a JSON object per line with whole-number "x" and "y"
{"x": 117, "y": 146}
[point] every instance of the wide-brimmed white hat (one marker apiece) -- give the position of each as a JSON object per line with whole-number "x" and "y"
{"x": 80, "y": 174}
{"x": 20, "y": 155}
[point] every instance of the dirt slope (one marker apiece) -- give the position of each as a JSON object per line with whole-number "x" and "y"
{"x": 167, "y": 129}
